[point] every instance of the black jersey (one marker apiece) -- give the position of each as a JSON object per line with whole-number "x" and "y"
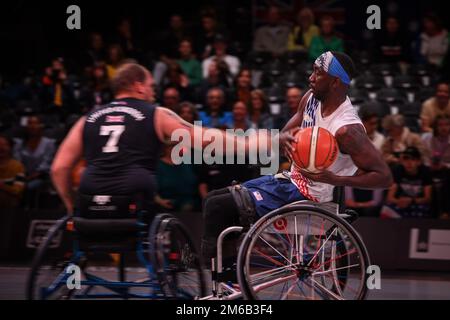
{"x": 121, "y": 135}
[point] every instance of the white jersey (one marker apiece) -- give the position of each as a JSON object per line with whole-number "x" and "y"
{"x": 344, "y": 115}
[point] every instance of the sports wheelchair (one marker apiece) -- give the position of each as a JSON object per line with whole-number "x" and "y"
{"x": 170, "y": 266}
{"x": 302, "y": 251}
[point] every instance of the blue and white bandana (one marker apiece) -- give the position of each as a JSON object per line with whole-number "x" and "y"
{"x": 328, "y": 62}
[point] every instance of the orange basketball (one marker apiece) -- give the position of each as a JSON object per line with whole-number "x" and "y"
{"x": 316, "y": 149}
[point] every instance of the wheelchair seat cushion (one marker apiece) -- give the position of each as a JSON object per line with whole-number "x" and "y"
{"x": 105, "y": 226}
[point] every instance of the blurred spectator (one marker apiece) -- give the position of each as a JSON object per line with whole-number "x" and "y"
{"x": 191, "y": 67}
{"x": 56, "y": 90}
{"x": 243, "y": 86}
{"x": 260, "y": 117}
{"x": 293, "y": 97}
{"x": 240, "y": 116}
{"x": 205, "y": 38}
{"x": 435, "y": 106}
{"x": 272, "y": 37}
{"x": 217, "y": 78}
{"x": 115, "y": 58}
{"x": 95, "y": 52}
{"x": 438, "y": 144}
{"x": 188, "y": 112}
{"x": 12, "y": 176}
{"x": 35, "y": 152}
{"x": 171, "y": 99}
{"x": 326, "y": 41}
{"x": 11, "y": 188}
{"x": 303, "y": 31}
{"x": 97, "y": 90}
{"x": 126, "y": 39}
{"x": 410, "y": 195}
{"x": 176, "y": 78}
{"x": 170, "y": 39}
{"x": 214, "y": 116}
{"x": 399, "y": 138}
{"x": 173, "y": 195}
{"x": 366, "y": 202}
{"x": 392, "y": 46}
{"x": 433, "y": 40}
{"x": 370, "y": 121}
{"x": 220, "y": 49}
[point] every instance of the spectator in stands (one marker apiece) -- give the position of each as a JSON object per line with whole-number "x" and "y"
{"x": 303, "y": 31}
{"x": 410, "y": 195}
{"x": 188, "y": 112}
{"x": 173, "y": 195}
{"x": 293, "y": 97}
{"x": 171, "y": 99}
{"x": 326, "y": 41}
{"x": 433, "y": 40}
{"x": 240, "y": 116}
{"x": 168, "y": 45}
{"x": 176, "y": 78}
{"x": 205, "y": 38}
{"x": 398, "y": 139}
{"x": 35, "y": 152}
{"x": 217, "y": 78}
{"x": 190, "y": 66}
{"x": 12, "y": 176}
{"x": 215, "y": 116}
{"x": 438, "y": 144}
{"x": 366, "y": 202}
{"x": 243, "y": 86}
{"x": 371, "y": 122}
{"x": 126, "y": 39}
{"x": 97, "y": 90}
{"x": 435, "y": 106}
{"x": 392, "y": 46}
{"x": 220, "y": 48}
{"x": 260, "y": 117}
{"x": 56, "y": 89}
{"x": 115, "y": 58}
{"x": 170, "y": 40}
{"x": 96, "y": 50}
{"x": 272, "y": 37}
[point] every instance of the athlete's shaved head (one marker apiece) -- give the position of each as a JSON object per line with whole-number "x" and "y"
{"x": 134, "y": 79}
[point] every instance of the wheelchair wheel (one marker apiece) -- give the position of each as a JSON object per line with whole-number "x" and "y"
{"x": 303, "y": 252}
{"x": 47, "y": 279}
{"x": 175, "y": 259}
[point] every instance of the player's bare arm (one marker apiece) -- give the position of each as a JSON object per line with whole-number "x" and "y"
{"x": 373, "y": 172}
{"x": 69, "y": 153}
{"x": 167, "y": 121}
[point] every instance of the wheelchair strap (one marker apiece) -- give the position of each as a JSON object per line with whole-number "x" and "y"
{"x": 244, "y": 202}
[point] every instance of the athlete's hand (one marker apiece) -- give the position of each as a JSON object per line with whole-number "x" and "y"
{"x": 286, "y": 140}
{"x": 322, "y": 176}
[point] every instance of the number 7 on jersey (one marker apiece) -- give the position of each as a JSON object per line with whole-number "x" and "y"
{"x": 114, "y": 133}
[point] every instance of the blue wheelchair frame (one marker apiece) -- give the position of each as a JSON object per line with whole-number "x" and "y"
{"x": 119, "y": 288}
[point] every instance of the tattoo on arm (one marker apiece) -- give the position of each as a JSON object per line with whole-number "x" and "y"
{"x": 352, "y": 140}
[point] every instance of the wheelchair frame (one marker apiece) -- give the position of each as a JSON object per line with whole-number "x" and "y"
{"x": 120, "y": 288}
{"x": 224, "y": 290}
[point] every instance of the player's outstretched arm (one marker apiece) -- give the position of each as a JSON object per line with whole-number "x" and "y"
{"x": 168, "y": 122}
{"x": 69, "y": 153}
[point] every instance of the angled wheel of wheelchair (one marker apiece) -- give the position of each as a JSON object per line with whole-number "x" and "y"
{"x": 47, "y": 279}
{"x": 303, "y": 252}
{"x": 175, "y": 259}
